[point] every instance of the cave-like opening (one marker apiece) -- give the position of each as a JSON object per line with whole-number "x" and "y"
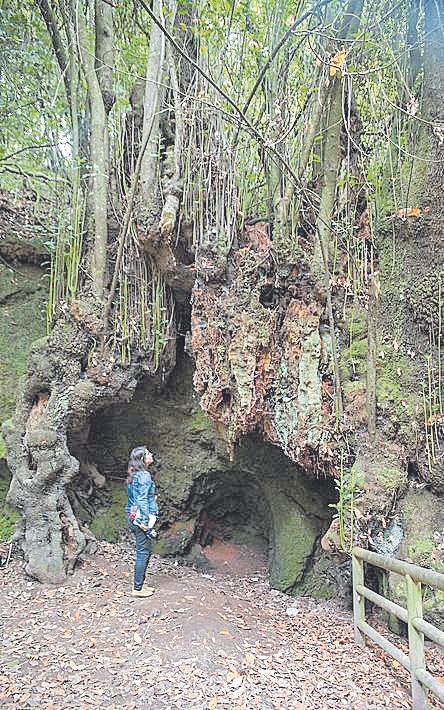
{"x": 235, "y": 510}
{"x": 261, "y": 500}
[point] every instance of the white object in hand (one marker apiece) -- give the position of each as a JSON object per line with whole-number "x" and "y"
{"x": 151, "y": 521}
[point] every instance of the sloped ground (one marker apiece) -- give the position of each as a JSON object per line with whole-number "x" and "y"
{"x": 202, "y": 641}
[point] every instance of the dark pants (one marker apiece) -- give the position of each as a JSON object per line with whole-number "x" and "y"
{"x": 143, "y": 554}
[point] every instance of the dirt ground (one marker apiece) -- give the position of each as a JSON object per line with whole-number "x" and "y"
{"x": 203, "y": 641}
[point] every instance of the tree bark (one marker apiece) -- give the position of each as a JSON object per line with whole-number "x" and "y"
{"x": 104, "y": 58}
{"x": 98, "y": 160}
{"x": 154, "y": 92}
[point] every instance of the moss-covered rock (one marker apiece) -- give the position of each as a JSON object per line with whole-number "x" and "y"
{"x": 177, "y": 539}
{"x": 200, "y": 422}
{"x": 22, "y": 320}
{"x": 422, "y": 519}
{"x": 293, "y": 540}
{"x": 390, "y": 478}
{"x": 259, "y": 497}
{"x": 111, "y": 520}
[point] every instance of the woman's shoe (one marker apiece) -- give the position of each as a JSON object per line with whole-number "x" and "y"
{"x": 143, "y": 593}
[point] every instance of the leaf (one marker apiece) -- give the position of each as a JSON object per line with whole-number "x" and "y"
{"x": 231, "y": 675}
{"x": 212, "y": 705}
{"x": 409, "y": 212}
{"x": 237, "y": 693}
{"x": 337, "y": 61}
{"x": 249, "y": 659}
{"x": 137, "y": 638}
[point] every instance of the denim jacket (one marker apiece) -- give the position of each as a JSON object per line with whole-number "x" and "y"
{"x": 142, "y": 496}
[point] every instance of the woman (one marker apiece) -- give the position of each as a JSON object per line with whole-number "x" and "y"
{"x": 142, "y": 512}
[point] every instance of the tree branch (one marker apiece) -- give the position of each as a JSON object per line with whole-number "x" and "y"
{"x": 57, "y": 42}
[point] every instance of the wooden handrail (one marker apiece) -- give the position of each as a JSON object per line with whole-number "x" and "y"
{"x": 421, "y": 679}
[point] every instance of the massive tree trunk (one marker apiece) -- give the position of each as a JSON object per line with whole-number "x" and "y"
{"x": 271, "y": 337}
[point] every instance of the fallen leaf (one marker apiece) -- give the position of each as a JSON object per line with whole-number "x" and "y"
{"x": 225, "y": 632}
{"x": 409, "y": 212}
{"x": 137, "y": 638}
{"x": 237, "y": 693}
{"x": 231, "y": 675}
{"x": 212, "y": 705}
{"x": 337, "y": 61}
{"x": 249, "y": 659}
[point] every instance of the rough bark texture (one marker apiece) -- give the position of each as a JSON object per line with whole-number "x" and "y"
{"x": 262, "y": 362}
{"x": 63, "y": 388}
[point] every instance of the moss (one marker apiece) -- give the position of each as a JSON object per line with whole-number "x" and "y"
{"x": 356, "y": 319}
{"x": 422, "y": 520}
{"x": 354, "y": 359}
{"x": 22, "y": 320}
{"x": 390, "y": 478}
{"x": 320, "y": 581}
{"x": 294, "y": 537}
{"x": 200, "y": 422}
{"x": 394, "y": 390}
{"x": 109, "y": 522}
{"x": 3, "y": 451}
{"x": 176, "y": 540}
{"x": 8, "y": 516}
{"x": 357, "y": 474}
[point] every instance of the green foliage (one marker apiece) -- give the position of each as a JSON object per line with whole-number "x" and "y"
{"x": 346, "y": 486}
{"x": 200, "y": 422}
{"x": 33, "y": 107}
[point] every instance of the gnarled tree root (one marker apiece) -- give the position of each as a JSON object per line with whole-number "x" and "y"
{"x": 57, "y": 399}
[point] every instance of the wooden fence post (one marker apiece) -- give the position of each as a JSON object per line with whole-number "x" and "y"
{"x": 358, "y": 600}
{"x": 416, "y": 643}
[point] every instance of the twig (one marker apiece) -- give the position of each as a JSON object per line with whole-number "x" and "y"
{"x": 277, "y": 156}
{"x": 9, "y": 555}
{"x": 125, "y": 227}
{"x": 279, "y": 45}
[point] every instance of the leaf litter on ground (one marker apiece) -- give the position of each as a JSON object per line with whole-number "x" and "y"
{"x": 201, "y": 642}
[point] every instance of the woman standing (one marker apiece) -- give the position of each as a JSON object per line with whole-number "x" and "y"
{"x": 142, "y": 512}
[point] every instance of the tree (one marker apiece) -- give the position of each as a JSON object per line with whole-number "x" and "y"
{"x": 260, "y": 181}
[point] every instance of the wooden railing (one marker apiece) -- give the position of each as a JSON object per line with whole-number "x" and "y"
{"x": 415, "y": 576}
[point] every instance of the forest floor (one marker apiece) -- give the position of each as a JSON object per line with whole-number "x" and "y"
{"x": 202, "y": 641}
